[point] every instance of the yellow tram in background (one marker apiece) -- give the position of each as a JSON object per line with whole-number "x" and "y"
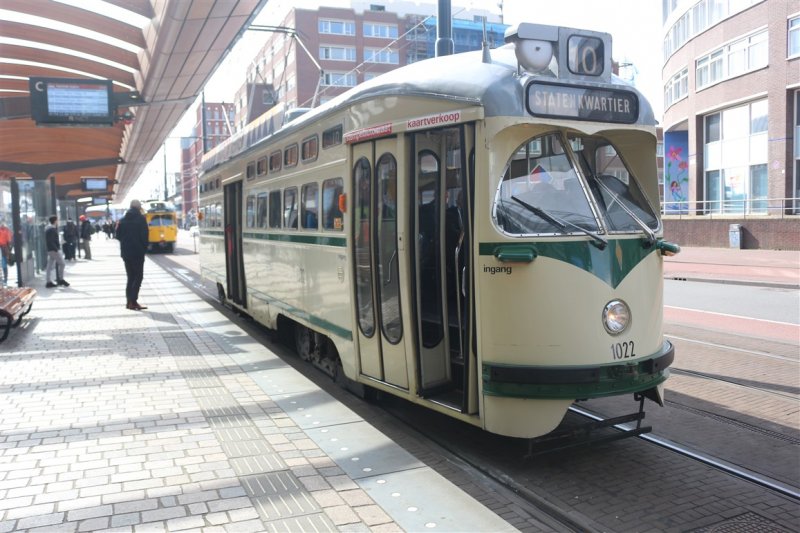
{"x": 162, "y": 224}
{"x": 476, "y": 233}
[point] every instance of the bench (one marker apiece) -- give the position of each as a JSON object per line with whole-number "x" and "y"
{"x": 15, "y": 303}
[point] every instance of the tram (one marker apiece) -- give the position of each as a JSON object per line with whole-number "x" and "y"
{"x": 162, "y": 225}
{"x": 476, "y": 233}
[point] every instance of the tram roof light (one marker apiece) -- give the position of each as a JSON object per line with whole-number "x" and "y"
{"x": 534, "y": 45}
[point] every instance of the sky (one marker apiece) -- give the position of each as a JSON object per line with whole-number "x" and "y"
{"x": 634, "y": 25}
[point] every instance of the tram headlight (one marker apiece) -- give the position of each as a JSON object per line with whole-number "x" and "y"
{"x": 616, "y": 317}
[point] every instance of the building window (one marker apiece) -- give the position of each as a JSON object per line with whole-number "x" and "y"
{"x": 337, "y": 53}
{"x": 337, "y": 27}
{"x": 735, "y": 159}
{"x": 704, "y": 14}
{"x": 339, "y": 79}
{"x": 383, "y": 31}
{"x": 734, "y": 59}
{"x": 381, "y": 55}
{"x": 251, "y": 170}
{"x": 794, "y": 37}
{"x": 676, "y": 88}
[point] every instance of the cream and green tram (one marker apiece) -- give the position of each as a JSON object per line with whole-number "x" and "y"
{"x": 476, "y": 233}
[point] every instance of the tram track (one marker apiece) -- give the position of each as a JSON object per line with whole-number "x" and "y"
{"x": 709, "y": 460}
{"x": 528, "y": 495}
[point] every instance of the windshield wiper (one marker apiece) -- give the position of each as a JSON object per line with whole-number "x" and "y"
{"x": 599, "y": 241}
{"x": 651, "y": 236}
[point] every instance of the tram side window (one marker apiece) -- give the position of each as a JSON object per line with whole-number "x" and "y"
{"x": 540, "y": 192}
{"x": 332, "y": 218}
{"x": 275, "y": 161}
{"x": 290, "y": 208}
{"x": 275, "y": 209}
{"x": 262, "y": 210}
{"x": 308, "y": 206}
{"x": 251, "y": 211}
{"x": 261, "y": 166}
{"x": 309, "y": 149}
{"x": 290, "y": 156}
{"x": 389, "y": 288}
{"x": 332, "y": 136}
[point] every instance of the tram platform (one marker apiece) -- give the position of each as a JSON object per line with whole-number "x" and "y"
{"x": 176, "y": 419}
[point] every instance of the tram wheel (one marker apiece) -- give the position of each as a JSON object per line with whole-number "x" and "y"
{"x": 302, "y": 342}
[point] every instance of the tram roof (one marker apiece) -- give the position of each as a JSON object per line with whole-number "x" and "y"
{"x": 462, "y": 78}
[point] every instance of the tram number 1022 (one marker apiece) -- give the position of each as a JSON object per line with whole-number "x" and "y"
{"x": 622, "y": 350}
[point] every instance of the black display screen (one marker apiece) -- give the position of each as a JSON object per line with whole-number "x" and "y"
{"x": 71, "y": 102}
{"x": 581, "y": 103}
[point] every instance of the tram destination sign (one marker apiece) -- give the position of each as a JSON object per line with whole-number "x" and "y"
{"x": 596, "y": 104}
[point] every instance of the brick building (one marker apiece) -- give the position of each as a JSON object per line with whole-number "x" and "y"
{"x": 731, "y": 71}
{"x": 347, "y": 46}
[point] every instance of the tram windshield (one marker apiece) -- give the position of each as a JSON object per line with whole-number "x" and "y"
{"x": 544, "y": 189}
{"x": 541, "y": 191}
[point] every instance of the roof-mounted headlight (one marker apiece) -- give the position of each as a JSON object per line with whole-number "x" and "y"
{"x": 534, "y": 45}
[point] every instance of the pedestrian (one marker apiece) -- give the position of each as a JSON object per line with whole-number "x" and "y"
{"x": 132, "y": 234}
{"x": 86, "y": 235}
{"x": 6, "y": 239}
{"x": 70, "y": 238}
{"x": 55, "y": 261}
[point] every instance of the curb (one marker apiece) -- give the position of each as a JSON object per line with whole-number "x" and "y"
{"x": 753, "y": 283}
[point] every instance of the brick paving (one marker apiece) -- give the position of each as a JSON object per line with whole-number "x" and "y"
{"x": 149, "y": 421}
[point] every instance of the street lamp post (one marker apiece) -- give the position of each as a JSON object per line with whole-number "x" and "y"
{"x": 164, "y": 147}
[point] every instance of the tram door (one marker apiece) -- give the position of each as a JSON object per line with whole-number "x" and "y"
{"x": 441, "y": 186}
{"x": 234, "y": 263}
{"x": 379, "y": 260}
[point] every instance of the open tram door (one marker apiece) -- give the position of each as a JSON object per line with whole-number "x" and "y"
{"x": 234, "y": 262}
{"x": 442, "y": 189}
{"x": 380, "y": 260}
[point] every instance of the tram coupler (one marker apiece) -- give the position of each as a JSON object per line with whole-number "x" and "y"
{"x": 585, "y": 433}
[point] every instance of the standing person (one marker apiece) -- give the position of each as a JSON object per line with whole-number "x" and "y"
{"x": 132, "y": 235}
{"x": 55, "y": 261}
{"x": 70, "y": 237}
{"x": 6, "y": 238}
{"x": 86, "y": 235}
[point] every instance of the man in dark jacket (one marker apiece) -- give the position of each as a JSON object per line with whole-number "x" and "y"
{"x": 132, "y": 235}
{"x": 86, "y": 236}
{"x": 55, "y": 261}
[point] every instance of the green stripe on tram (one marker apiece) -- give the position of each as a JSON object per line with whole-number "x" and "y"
{"x": 611, "y": 265}
{"x": 320, "y": 240}
{"x": 299, "y": 313}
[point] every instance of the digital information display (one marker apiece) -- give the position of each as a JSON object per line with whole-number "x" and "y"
{"x": 95, "y": 184}
{"x": 65, "y": 99}
{"x": 581, "y": 103}
{"x": 72, "y": 102}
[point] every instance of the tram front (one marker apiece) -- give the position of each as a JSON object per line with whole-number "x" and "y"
{"x": 568, "y": 271}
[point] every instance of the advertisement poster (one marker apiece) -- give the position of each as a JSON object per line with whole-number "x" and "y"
{"x": 676, "y": 172}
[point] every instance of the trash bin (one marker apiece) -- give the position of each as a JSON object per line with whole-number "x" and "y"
{"x": 735, "y": 236}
